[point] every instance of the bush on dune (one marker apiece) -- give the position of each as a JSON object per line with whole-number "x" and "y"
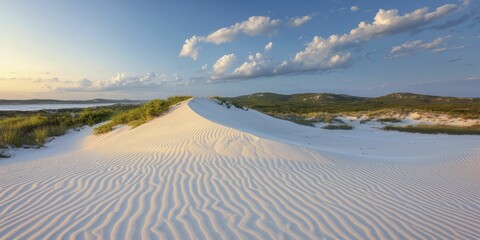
{"x": 389, "y": 120}
{"x": 92, "y": 117}
{"x": 107, "y": 127}
{"x": 337, "y": 127}
{"x": 140, "y": 115}
{"x": 436, "y": 129}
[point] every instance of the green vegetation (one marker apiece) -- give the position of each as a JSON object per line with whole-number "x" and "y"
{"x": 436, "y": 129}
{"x": 297, "y": 119}
{"x": 295, "y": 103}
{"x": 389, "y": 120}
{"x": 140, "y": 115}
{"x": 222, "y": 101}
{"x": 33, "y": 129}
{"x": 337, "y": 124}
{"x": 338, "y": 127}
{"x": 308, "y": 103}
{"x": 364, "y": 121}
{"x": 3, "y": 154}
{"x": 309, "y": 108}
{"x": 104, "y": 128}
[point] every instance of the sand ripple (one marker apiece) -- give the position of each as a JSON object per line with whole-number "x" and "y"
{"x": 184, "y": 176}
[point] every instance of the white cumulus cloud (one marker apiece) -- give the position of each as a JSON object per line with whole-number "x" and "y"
{"x": 335, "y": 52}
{"x": 268, "y": 47}
{"x": 353, "y": 8}
{"x": 256, "y": 65}
{"x": 190, "y": 48}
{"x": 323, "y": 54}
{"x": 222, "y": 65}
{"x": 410, "y": 48}
{"x": 253, "y": 26}
{"x": 121, "y": 81}
{"x": 299, "y": 21}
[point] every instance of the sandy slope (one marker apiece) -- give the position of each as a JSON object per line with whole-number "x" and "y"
{"x": 206, "y": 172}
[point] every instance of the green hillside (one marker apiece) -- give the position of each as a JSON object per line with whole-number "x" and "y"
{"x": 339, "y": 103}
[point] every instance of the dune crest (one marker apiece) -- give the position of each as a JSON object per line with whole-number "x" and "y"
{"x": 203, "y": 171}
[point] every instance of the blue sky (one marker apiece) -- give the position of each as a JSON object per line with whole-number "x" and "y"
{"x": 146, "y": 49}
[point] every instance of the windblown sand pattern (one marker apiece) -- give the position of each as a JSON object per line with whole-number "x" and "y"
{"x": 207, "y": 172}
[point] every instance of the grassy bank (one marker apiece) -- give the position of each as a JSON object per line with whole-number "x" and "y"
{"x": 35, "y": 128}
{"x": 338, "y": 104}
{"x": 436, "y": 129}
{"x": 140, "y": 115}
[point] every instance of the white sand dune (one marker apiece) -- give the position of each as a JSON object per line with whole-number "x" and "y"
{"x": 203, "y": 171}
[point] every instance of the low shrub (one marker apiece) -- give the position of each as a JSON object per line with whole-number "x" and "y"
{"x": 103, "y": 128}
{"x": 337, "y": 127}
{"x": 4, "y": 154}
{"x": 93, "y": 116}
{"x": 296, "y": 119}
{"x": 436, "y": 129}
{"x": 364, "y": 121}
{"x": 140, "y": 115}
{"x": 390, "y": 120}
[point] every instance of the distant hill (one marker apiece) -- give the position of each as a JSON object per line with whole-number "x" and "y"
{"x": 304, "y": 98}
{"x": 54, "y": 101}
{"x": 337, "y": 103}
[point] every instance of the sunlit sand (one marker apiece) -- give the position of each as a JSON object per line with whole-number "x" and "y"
{"x": 204, "y": 171}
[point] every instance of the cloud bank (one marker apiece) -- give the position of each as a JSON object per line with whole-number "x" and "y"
{"x": 335, "y": 52}
{"x": 121, "y": 81}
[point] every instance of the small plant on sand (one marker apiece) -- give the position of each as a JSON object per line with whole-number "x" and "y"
{"x": 390, "y": 120}
{"x": 3, "y": 150}
{"x": 324, "y": 117}
{"x": 337, "y": 127}
{"x": 363, "y": 121}
{"x": 436, "y": 129}
{"x": 3, "y": 154}
{"x": 222, "y": 101}
{"x": 105, "y": 128}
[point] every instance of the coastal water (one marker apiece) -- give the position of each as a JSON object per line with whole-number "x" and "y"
{"x": 36, "y": 107}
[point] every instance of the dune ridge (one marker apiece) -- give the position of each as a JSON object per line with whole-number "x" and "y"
{"x": 203, "y": 171}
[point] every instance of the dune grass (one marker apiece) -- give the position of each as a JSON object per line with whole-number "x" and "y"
{"x": 35, "y": 129}
{"x": 140, "y": 115}
{"x": 436, "y": 129}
